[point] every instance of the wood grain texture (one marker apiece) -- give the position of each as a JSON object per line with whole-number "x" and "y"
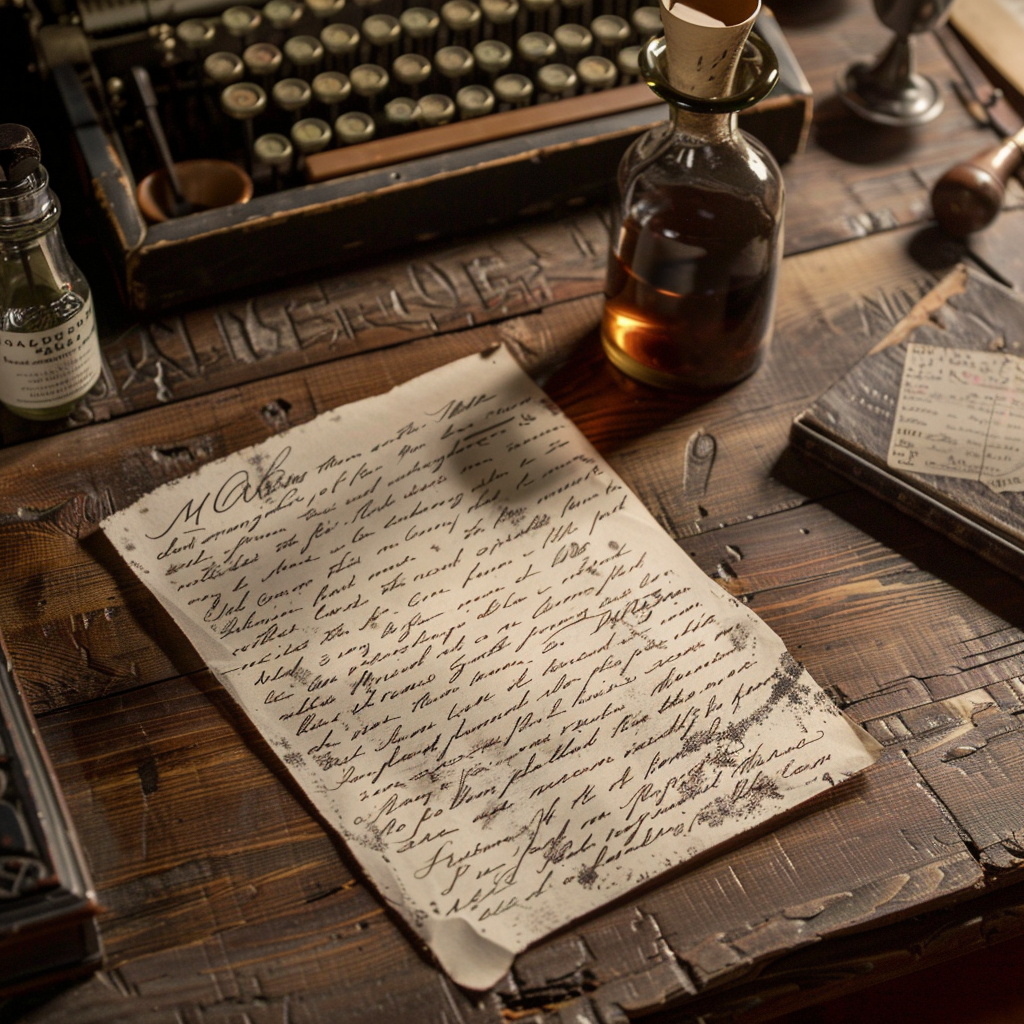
{"x": 79, "y": 625}
{"x": 227, "y": 900}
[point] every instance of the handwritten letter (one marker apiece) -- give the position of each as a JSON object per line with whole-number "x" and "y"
{"x": 960, "y": 413}
{"x": 482, "y": 659}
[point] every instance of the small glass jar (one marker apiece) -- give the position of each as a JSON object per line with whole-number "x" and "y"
{"x": 49, "y": 349}
{"x": 697, "y": 236}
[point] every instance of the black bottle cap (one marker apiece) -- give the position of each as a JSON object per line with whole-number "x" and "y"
{"x": 19, "y": 153}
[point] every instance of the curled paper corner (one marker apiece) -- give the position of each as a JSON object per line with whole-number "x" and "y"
{"x": 470, "y": 959}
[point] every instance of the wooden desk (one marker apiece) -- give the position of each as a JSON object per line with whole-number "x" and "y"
{"x": 226, "y": 901}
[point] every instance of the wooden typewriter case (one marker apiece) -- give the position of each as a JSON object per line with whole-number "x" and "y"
{"x": 402, "y": 198}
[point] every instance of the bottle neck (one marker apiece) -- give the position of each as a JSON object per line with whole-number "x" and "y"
{"x": 703, "y": 129}
{"x": 28, "y": 209}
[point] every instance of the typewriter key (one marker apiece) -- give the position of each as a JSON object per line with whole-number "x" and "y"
{"x": 647, "y": 22}
{"x": 324, "y": 10}
{"x": 411, "y": 69}
{"x": 596, "y": 73}
{"x": 310, "y": 135}
{"x": 574, "y": 41}
{"x": 340, "y": 41}
{"x": 291, "y": 95}
{"x": 402, "y": 113}
{"x": 610, "y": 31}
{"x": 381, "y": 33}
{"x": 331, "y": 88}
{"x": 241, "y": 24}
{"x": 262, "y": 60}
{"x": 492, "y": 56}
{"x": 499, "y": 16}
{"x": 556, "y": 81}
{"x": 474, "y": 101}
{"x": 244, "y": 101}
{"x": 419, "y": 26}
{"x": 196, "y": 35}
{"x": 369, "y": 81}
{"x": 628, "y": 61}
{"x": 353, "y": 127}
{"x": 436, "y": 109}
{"x": 275, "y": 151}
{"x": 462, "y": 18}
{"x": 513, "y": 91}
{"x": 281, "y": 15}
{"x": 304, "y": 53}
{"x": 535, "y": 48}
{"x": 223, "y": 68}
{"x": 454, "y": 63}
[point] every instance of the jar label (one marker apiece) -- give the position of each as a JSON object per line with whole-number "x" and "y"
{"x": 46, "y": 369}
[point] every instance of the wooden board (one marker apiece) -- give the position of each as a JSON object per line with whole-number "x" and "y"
{"x": 226, "y": 899}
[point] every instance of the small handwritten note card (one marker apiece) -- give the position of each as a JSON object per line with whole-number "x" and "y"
{"x": 481, "y": 658}
{"x": 960, "y": 413}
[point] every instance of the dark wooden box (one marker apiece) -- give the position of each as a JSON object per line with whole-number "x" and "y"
{"x": 400, "y": 198}
{"x": 47, "y": 911}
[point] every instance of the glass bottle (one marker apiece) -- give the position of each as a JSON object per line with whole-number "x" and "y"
{"x": 49, "y": 349}
{"x": 697, "y": 237}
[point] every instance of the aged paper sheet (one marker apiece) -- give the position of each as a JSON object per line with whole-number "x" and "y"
{"x": 960, "y": 413}
{"x": 481, "y": 657}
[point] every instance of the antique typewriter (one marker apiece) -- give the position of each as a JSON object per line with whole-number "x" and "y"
{"x": 362, "y": 124}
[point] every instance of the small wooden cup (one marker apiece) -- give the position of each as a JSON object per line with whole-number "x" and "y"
{"x": 205, "y": 184}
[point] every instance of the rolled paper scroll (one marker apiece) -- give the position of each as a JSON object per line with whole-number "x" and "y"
{"x": 705, "y": 39}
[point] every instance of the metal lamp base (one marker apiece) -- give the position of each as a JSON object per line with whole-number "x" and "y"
{"x": 918, "y": 101}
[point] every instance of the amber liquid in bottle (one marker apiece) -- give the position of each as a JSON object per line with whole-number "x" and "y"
{"x": 690, "y": 287}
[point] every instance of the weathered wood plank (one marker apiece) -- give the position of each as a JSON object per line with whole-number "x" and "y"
{"x": 66, "y": 615}
{"x": 214, "y": 873}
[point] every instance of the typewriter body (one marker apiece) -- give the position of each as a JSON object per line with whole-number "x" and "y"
{"x": 364, "y": 126}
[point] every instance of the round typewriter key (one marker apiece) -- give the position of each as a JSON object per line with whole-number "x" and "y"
{"x": 274, "y": 150}
{"x": 324, "y": 9}
{"x": 381, "y": 30}
{"x": 610, "y": 31}
{"x": 353, "y": 127}
{"x": 196, "y": 34}
{"x": 281, "y": 15}
{"x": 460, "y": 15}
{"x": 474, "y": 101}
{"x": 556, "y": 81}
{"x": 243, "y": 101}
{"x": 492, "y": 56}
{"x": 331, "y": 88}
{"x": 223, "y": 68}
{"x": 262, "y": 59}
{"x": 647, "y": 22}
{"x": 573, "y": 41}
{"x": 402, "y": 112}
{"x": 241, "y": 22}
{"x": 513, "y": 90}
{"x": 419, "y": 23}
{"x": 310, "y": 135}
{"x": 454, "y": 62}
{"x": 369, "y": 80}
{"x": 411, "y": 69}
{"x": 500, "y": 12}
{"x": 291, "y": 94}
{"x": 540, "y": 12}
{"x": 536, "y": 47}
{"x": 340, "y": 40}
{"x": 436, "y": 109}
{"x": 596, "y": 73}
{"x": 628, "y": 60}
{"x": 304, "y": 53}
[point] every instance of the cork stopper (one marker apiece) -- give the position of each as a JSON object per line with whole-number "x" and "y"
{"x": 704, "y": 40}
